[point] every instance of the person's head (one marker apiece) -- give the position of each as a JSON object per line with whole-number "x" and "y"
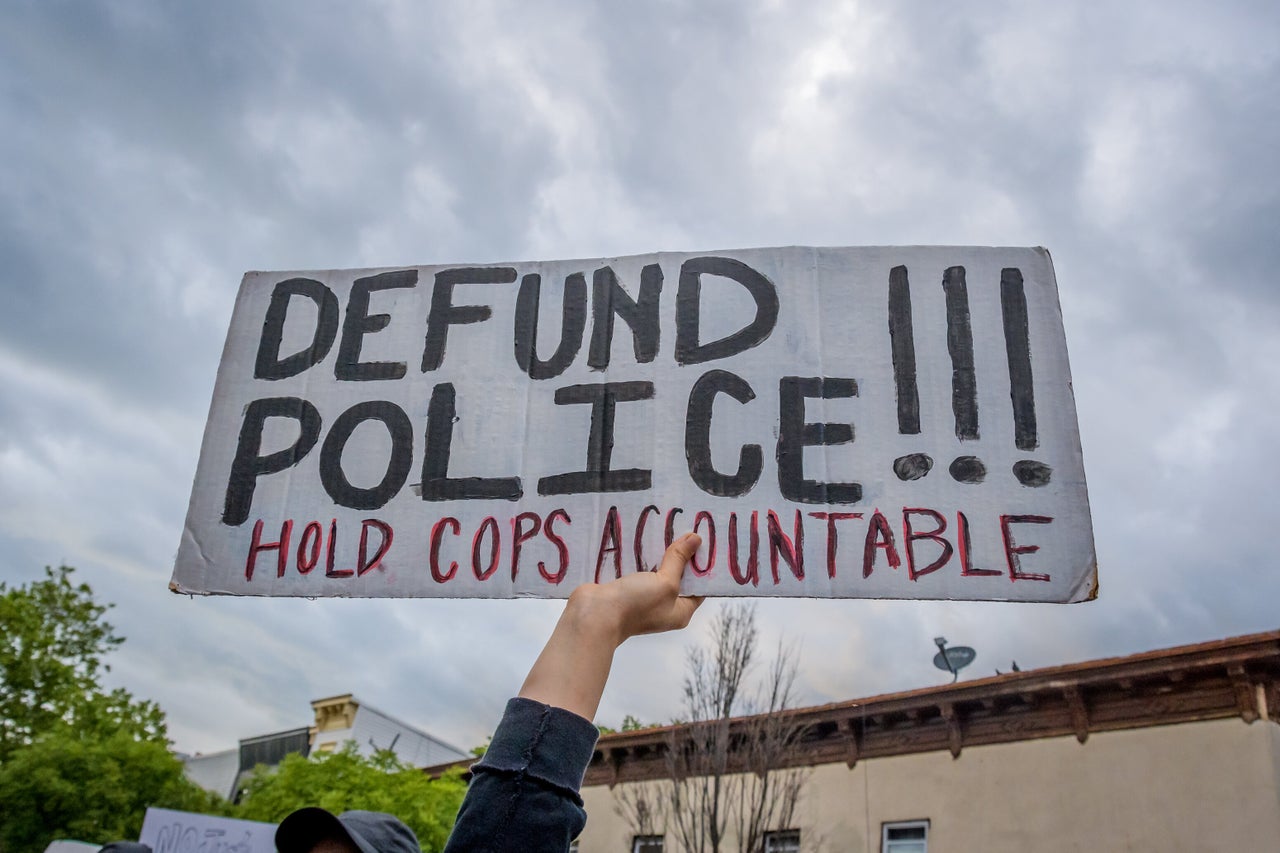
{"x": 314, "y": 830}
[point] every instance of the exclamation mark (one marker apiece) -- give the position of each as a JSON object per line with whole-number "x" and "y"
{"x": 1017, "y": 343}
{"x": 964, "y": 383}
{"x": 913, "y": 466}
{"x": 902, "y": 337}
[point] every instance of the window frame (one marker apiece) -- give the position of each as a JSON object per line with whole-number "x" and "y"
{"x": 886, "y": 826}
{"x": 775, "y": 835}
{"x": 637, "y": 840}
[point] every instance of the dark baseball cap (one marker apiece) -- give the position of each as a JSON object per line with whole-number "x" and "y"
{"x": 371, "y": 832}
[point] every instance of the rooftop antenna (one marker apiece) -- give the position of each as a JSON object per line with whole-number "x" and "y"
{"x": 952, "y": 659}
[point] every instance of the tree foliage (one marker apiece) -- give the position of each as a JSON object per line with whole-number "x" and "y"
{"x": 76, "y": 760}
{"x": 52, "y": 641}
{"x": 90, "y": 788}
{"x": 633, "y": 724}
{"x": 343, "y": 780}
{"x": 50, "y": 654}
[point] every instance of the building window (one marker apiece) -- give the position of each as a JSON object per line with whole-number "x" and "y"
{"x": 782, "y": 841}
{"x": 907, "y": 836}
{"x": 646, "y": 844}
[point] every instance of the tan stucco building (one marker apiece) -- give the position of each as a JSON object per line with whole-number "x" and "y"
{"x": 1175, "y": 750}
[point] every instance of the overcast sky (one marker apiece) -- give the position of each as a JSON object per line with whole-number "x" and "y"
{"x": 153, "y": 152}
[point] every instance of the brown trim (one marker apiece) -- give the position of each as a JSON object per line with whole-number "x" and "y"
{"x": 1207, "y": 681}
{"x": 955, "y": 738}
{"x": 1079, "y": 713}
{"x": 853, "y": 738}
{"x": 1246, "y": 696}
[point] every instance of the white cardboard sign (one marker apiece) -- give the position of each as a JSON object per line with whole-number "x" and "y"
{"x": 169, "y": 831}
{"x": 835, "y": 422}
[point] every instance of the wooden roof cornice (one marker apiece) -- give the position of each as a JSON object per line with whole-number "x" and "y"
{"x": 1239, "y": 676}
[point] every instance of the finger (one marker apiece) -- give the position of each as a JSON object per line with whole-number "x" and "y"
{"x": 678, "y": 556}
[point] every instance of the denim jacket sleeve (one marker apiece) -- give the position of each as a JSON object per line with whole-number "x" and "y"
{"x": 524, "y": 791}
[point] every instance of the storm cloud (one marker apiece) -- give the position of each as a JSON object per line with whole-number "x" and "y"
{"x": 153, "y": 152}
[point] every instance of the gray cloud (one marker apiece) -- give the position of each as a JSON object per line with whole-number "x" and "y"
{"x": 154, "y": 153}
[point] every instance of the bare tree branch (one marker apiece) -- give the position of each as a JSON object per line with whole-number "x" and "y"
{"x": 723, "y": 775}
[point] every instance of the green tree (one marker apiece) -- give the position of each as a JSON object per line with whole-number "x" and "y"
{"x": 633, "y": 724}
{"x": 76, "y": 760}
{"x": 91, "y": 787}
{"x": 52, "y": 641}
{"x": 343, "y": 780}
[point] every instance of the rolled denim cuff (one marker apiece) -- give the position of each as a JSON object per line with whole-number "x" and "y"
{"x": 547, "y": 743}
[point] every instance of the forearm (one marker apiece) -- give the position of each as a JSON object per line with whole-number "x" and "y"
{"x": 573, "y": 667}
{"x": 525, "y": 789}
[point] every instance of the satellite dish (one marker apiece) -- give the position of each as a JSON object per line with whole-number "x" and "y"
{"x": 952, "y": 659}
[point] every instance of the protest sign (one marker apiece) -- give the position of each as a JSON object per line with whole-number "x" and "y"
{"x": 834, "y": 422}
{"x": 169, "y": 831}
